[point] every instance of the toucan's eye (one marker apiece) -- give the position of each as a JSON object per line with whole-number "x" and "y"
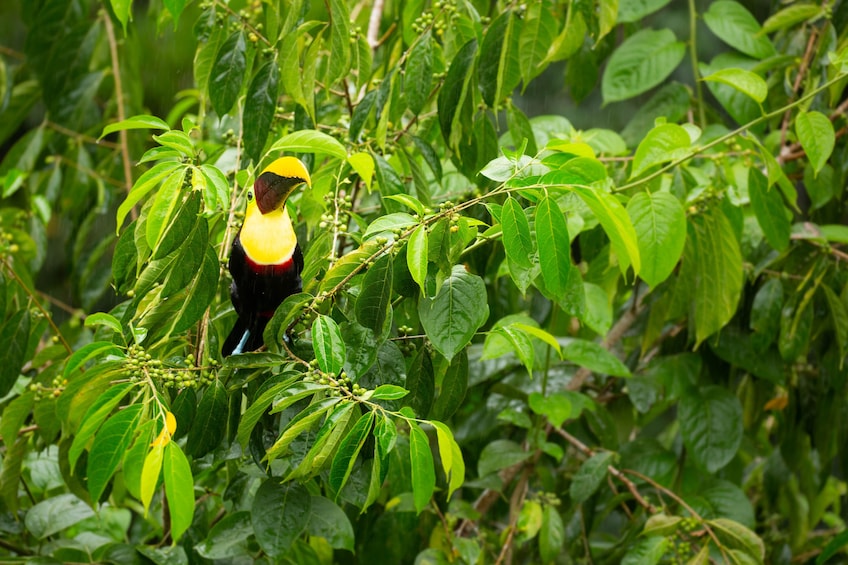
{"x": 249, "y": 195}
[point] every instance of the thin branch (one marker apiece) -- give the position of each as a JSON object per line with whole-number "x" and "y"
{"x": 79, "y": 136}
{"x": 119, "y": 100}
{"x": 90, "y": 172}
{"x": 38, "y": 305}
{"x": 589, "y": 452}
{"x": 802, "y": 70}
{"x": 244, "y": 22}
{"x": 374, "y": 24}
{"x": 12, "y": 53}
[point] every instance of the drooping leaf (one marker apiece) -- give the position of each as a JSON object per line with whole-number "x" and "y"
{"x": 451, "y": 318}
{"x": 419, "y": 73}
{"x": 554, "y": 249}
{"x": 373, "y": 306}
{"x": 208, "y": 428}
{"x": 110, "y": 443}
{"x": 348, "y": 451}
{"x": 711, "y": 425}
{"x": 660, "y": 224}
{"x": 815, "y": 132}
{"x": 310, "y": 141}
{"x": 259, "y": 107}
{"x": 737, "y": 27}
{"x": 327, "y": 344}
{"x": 328, "y": 521}
{"x": 768, "y": 207}
{"x": 52, "y": 515}
{"x": 280, "y": 514}
{"x": 641, "y": 62}
{"x": 590, "y": 476}
{"x": 746, "y": 82}
{"x": 421, "y": 461}
{"x": 517, "y": 242}
{"x": 227, "y": 73}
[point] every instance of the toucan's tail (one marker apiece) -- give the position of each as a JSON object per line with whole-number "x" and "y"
{"x": 244, "y": 337}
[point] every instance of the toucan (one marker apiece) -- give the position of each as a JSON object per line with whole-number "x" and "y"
{"x": 265, "y": 259}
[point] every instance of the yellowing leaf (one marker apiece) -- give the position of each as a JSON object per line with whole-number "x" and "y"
{"x": 165, "y": 435}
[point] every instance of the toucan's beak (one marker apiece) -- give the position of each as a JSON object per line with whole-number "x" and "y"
{"x": 272, "y": 190}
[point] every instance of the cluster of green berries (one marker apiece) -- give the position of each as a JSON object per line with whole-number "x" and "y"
{"x": 682, "y": 549}
{"x": 7, "y": 244}
{"x": 339, "y": 384}
{"x": 547, "y": 498}
{"x": 406, "y": 346}
{"x": 447, "y": 9}
{"x": 141, "y": 365}
{"x": 230, "y": 138}
{"x": 41, "y": 392}
{"x": 355, "y": 34}
{"x": 339, "y": 220}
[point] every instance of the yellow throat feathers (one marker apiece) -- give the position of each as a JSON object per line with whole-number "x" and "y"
{"x": 268, "y": 239}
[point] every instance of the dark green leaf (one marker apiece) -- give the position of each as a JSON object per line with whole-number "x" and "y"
{"x": 815, "y": 132}
{"x": 228, "y": 73}
{"x": 453, "y": 387}
{"x": 328, "y": 521}
{"x": 14, "y": 335}
{"x": 259, "y": 107}
{"x": 209, "y": 426}
{"x": 373, "y": 306}
{"x": 419, "y": 73}
{"x": 420, "y": 382}
{"x": 554, "y": 249}
{"x": 421, "y": 461}
{"x": 53, "y": 515}
{"x": 646, "y": 551}
{"x": 737, "y": 27}
{"x": 551, "y": 534}
{"x": 280, "y": 514}
{"x": 590, "y": 476}
{"x": 453, "y": 316}
{"x": 517, "y": 242}
{"x": 711, "y": 425}
{"x": 454, "y": 91}
{"x": 768, "y": 207}
{"x": 228, "y": 538}
{"x": 110, "y": 443}
{"x": 641, "y": 62}
{"x": 594, "y": 357}
{"x": 500, "y": 454}
{"x": 339, "y": 60}
{"x": 349, "y": 449}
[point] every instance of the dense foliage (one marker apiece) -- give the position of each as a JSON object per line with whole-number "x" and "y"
{"x": 518, "y": 341}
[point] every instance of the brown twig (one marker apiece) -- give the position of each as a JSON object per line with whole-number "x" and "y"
{"x": 119, "y": 101}
{"x": 90, "y": 172}
{"x": 38, "y": 305}
{"x": 589, "y": 452}
{"x": 12, "y": 53}
{"x": 802, "y": 70}
{"x": 79, "y": 136}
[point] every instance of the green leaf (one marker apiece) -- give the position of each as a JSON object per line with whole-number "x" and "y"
{"x": 418, "y": 77}
{"x": 660, "y": 224}
{"x": 228, "y": 538}
{"x": 210, "y": 422}
{"x": 832, "y": 548}
{"x": 373, "y": 305}
{"x": 791, "y": 15}
{"x": 103, "y": 319}
{"x": 451, "y": 456}
{"x": 711, "y": 425}
{"x": 421, "y": 383}
{"x": 143, "y": 185}
{"x": 643, "y": 61}
{"x": 310, "y": 141}
{"x": 339, "y": 60}
{"x": 518, "y": 243}
{"x": 664, "y": 143}
{"x": 151, "y": 469}
{"x": 839, "y": 315}
{"x": 259, "y": 107}
{"x": 142, "y": 121}
{"x": 348, "y": 451}
{"x": 815, "y": 132}
{"x": 454, "y": 90}
{"x": 453, "y": 388}
{"x": 498, "y": 69}
{"x": 390, "y": 222}
{"x": 634, "y": 10}
{"x": 671, "y": 102}
{"x": 590, "y": 476}
{"x": 327, "y": 344}
{"x": 500, "y": 454}
{"x": 554, "y": 249}
{"x": 328, "y": 521}
{"x": 451, "y": 318}
{"x": 388, "y": 392}
{"x": 768, "y": 207}
{"x": 123, "y": 11}
{"x": 95, "y": 416}
{"x": 646, "y": 551}
{"x": 661, "y": 525}
{"x": 551, "y": 534}
{"x": 537, "y": 34}
{"x": 258, "y": 407}
{"x": 746, "y": 82}
{"x": 736, "y": 535}
{"x": 55, "y": 514}
{"x": 176, "y": 8}
{"x": 280, "y": 514}
{"x": 227, "y": 73}
{"x": 735, "y": 25}
{"x": 421, "y": 462}
{"x": 416, "y": 256}
{"x": 616, "y": 224}
{"x": 363, "y": 164}
{"x": 556, "y": 407}
{"x": 110, "y": 443}
{"x": 14, "y": 335}
{"x": 713, "y": 261}
{"x": 594, "y": 357}
{"x": 165, "y": 205}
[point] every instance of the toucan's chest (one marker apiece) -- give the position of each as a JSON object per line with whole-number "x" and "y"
{"x": 268, "y": 239}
